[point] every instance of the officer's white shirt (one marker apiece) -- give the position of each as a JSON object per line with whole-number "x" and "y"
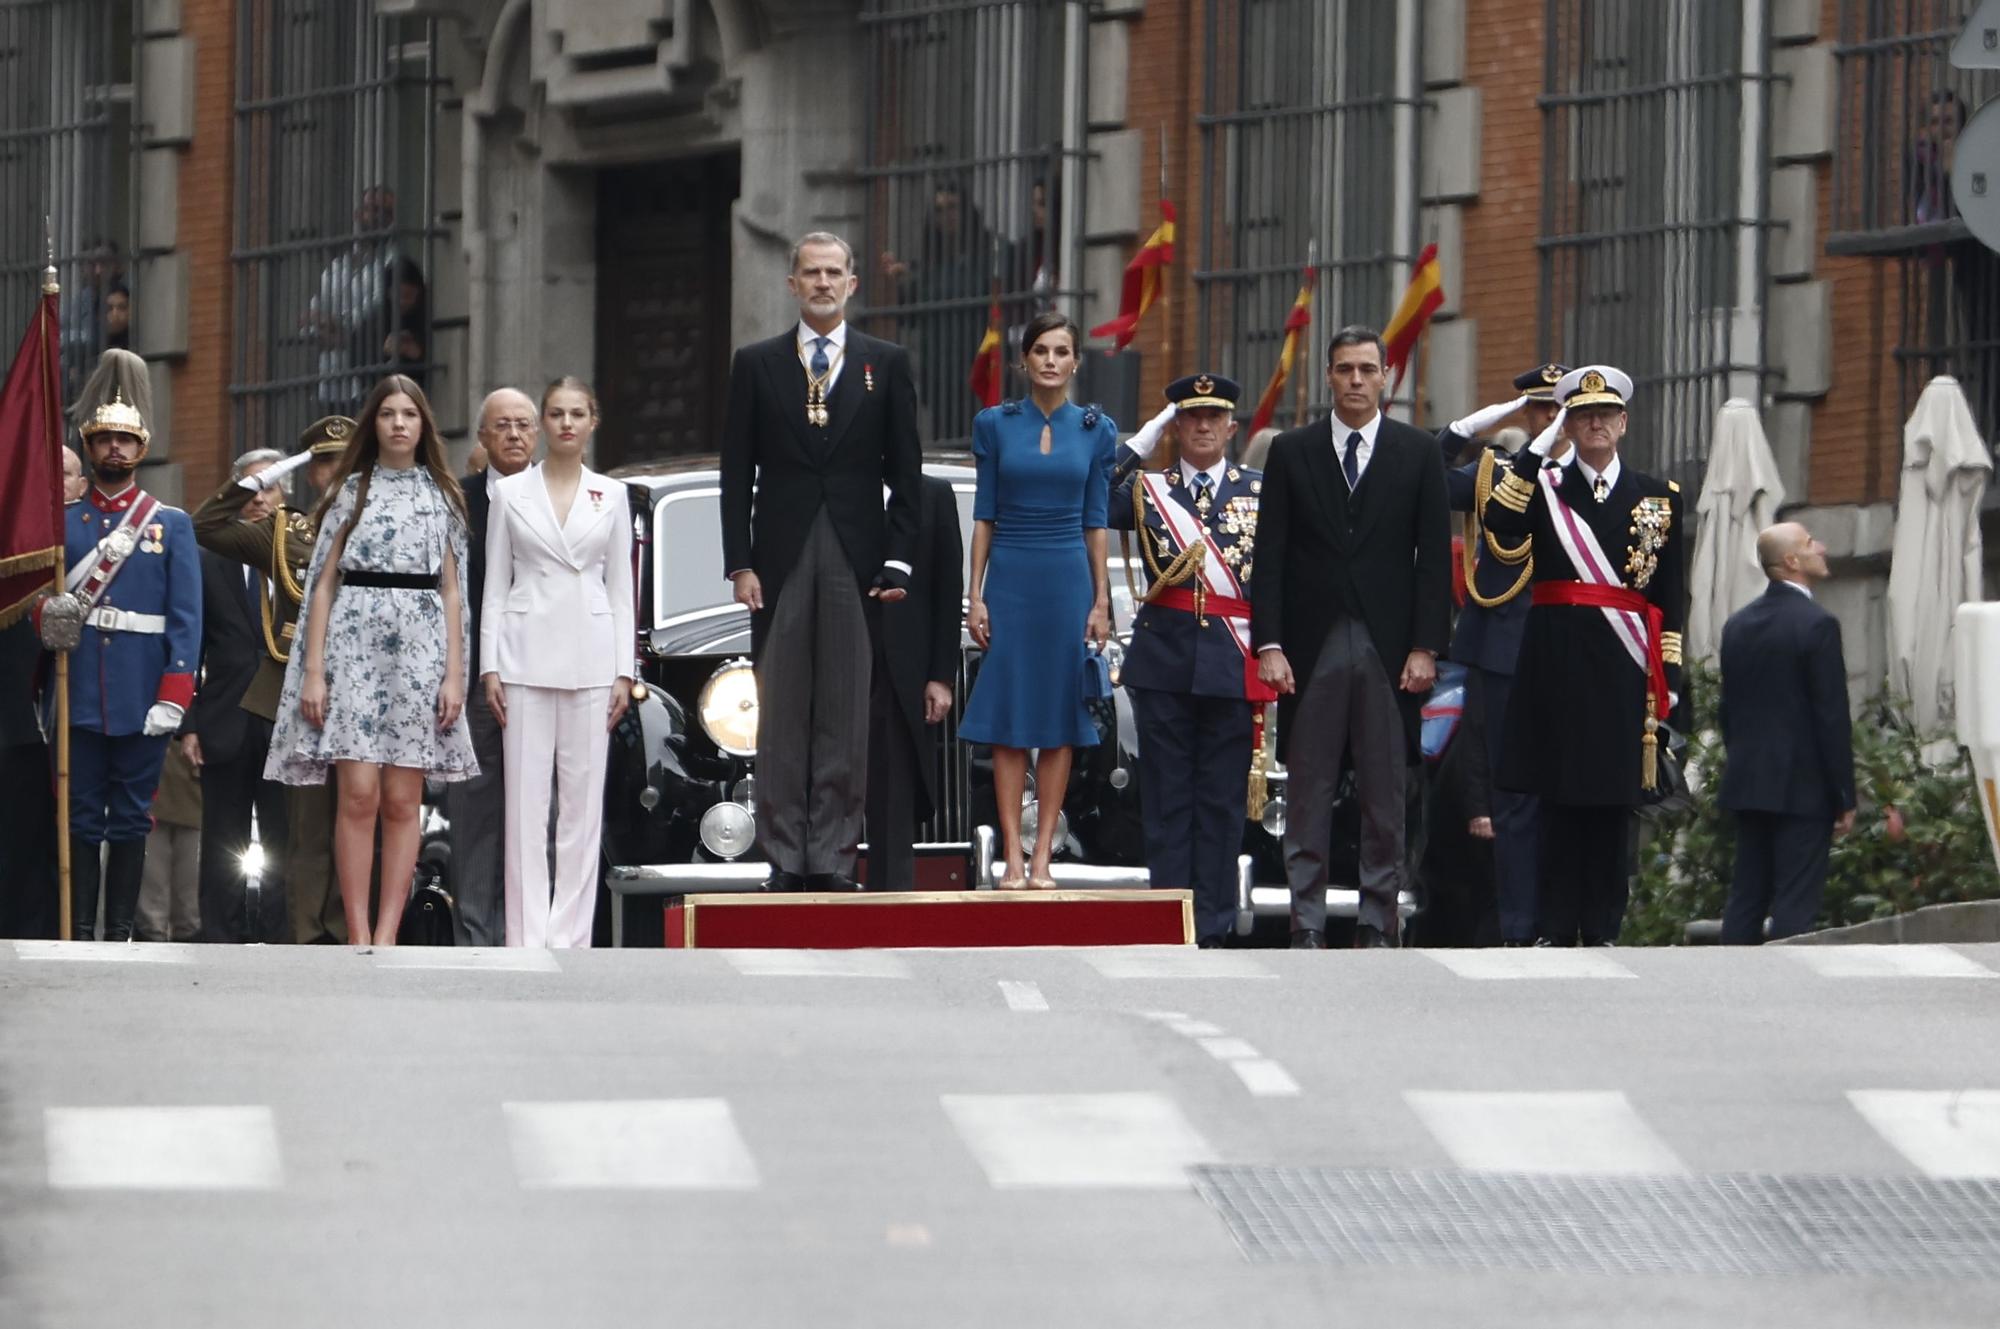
{"x": 1214, "y": 474}
{"x": 1610, "y": 473}
{"x": 836, "y": 350}
{"x": 1798, "y": 586}
{"x": 1362, "y": 453}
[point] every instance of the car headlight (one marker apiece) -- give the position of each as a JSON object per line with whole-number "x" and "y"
{"x": 728, "y": 708}
{"x": 253, "y": 862}
{"x": 1273, "y": 820}
{"x": 727, "y": 830}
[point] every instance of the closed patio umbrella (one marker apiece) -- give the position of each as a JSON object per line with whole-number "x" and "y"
{"x": 1739, "y": 497}
{"x": 1934, "y": 563}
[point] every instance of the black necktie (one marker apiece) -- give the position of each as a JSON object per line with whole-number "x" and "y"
{"x": 1350, "y": 461}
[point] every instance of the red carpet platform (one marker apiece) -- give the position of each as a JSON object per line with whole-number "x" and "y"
{"x": 933, "y": 918}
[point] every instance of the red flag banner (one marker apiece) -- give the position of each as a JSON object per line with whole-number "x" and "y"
{"x": 988, "y": 373}
{"x": 1144, "y": 276}
{"x": 1422, "y": 298}
{"x": 1297, "y": 322}
{"x": 31, "y": 538}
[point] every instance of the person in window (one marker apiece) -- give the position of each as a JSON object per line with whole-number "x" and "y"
{"x": 352, "y": 311}
{"x": 556, "y": 642}
{"x": 1965, "y": 330}
{"x": 378, "y": 692}
{"x": 949, "y": 286}
{"x": 406, "y": 346}
{"x": 1039, "y": 590}
{"x": 118, "y": 317}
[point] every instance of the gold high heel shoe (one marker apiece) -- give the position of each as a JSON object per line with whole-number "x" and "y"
{"x": 1011, "y": 884}
{"x": 1041, "y": 883}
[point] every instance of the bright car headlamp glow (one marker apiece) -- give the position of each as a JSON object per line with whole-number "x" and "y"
{"x": 728, "y": 708}
{"x": 252, "y": 862}
{"x": 727, "y": 830}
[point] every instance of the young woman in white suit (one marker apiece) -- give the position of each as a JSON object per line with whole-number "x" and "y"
{"x": 556, "y": 641}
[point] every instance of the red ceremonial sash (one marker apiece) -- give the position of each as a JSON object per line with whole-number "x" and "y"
{"x": 1226, "y": 607}
{"x": 1591, "y": 595}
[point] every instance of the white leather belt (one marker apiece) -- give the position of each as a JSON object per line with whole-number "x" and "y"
{"x": 106, "y": 619}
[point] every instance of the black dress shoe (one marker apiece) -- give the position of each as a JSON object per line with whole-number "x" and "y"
{"x": 780, "y": 880}
{"x": 831, "y": 882}
{"x": 1517, "y": 943}
{"x": 1308, "y": 939}
{"x": 1368, "y": 937}
{"x": 1214, "y": 943}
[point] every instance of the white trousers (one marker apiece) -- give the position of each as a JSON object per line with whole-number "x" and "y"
{"x": 560, "y": 730}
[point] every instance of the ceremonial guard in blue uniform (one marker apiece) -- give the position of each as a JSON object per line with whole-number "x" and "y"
{"x": 1487, "y": 638}
{"x": 135, "y": 579}
{"x": 1190, "y": 669}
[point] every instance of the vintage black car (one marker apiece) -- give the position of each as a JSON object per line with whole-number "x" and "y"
{"x": 681, "y": 801}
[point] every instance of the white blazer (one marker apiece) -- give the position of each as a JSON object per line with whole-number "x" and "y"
{"x": 558, "y": 606}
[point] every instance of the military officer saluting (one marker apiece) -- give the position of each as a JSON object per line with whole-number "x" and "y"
{"x": 134, "y": 580}
{"x": 1190, "y": 670}
{"x": 279, "y": 547}
{"x": 1600, "y": 660}
{"x": 1487, "y": 638}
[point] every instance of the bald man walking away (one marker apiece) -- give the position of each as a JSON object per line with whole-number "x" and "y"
{"x": 1790, "y": 773}
{"x": 509, "y": 427}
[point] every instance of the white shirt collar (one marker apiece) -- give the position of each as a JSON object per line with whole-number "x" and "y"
{"x": 1214, "y": 473}
{"x": 492, "y": 481}
{"x": 1610, "y": 473}
{"x": 1798, "y": 586}
{"x": 1367, "y": 431}
{"x": 838, "y": 337}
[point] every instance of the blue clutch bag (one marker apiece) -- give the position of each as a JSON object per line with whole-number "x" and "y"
{"x": 1096, "y": 676}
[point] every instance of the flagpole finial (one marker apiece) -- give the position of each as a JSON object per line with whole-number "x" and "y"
{"x": 49, "y": 284}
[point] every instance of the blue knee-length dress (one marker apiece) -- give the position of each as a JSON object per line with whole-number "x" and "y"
{"x": 1029, "y": 693}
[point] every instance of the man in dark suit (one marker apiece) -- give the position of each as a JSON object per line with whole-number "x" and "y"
{"x": 509, "y": 427}
{"x": 1790, "y": 772}
{"x": 1487, "y": 638}
{"x": 821, "y": 418}
{"x": 915, "y": 670}
{"x": 27, "y": 798}
{"x": 1600, "y": 659}
{"x": 230, "y": 743}
{"x": 1349, "y": 614}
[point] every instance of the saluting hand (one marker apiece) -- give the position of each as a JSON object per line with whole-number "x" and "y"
{"x": 1274, "y": 671}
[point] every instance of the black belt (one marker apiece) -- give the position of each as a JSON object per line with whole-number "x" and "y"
{"x": 392, "y": 581}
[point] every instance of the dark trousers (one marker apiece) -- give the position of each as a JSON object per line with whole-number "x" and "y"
{"x": 230, "y": 791}
{"x": 892, "y": 776}
{"x": 1348, "y": 708}
{"x": 476, "y": 807}
{"x": 313, "y": 891}
{"x": 111, "y": 785}
{"x": 1197, "y": 753}
{"x": 815, "y": 672}
{"x": 1517, "y": 823}
{"x": 1780, "y": 873}
{"x": 1586, "y": 873}
{"x": 27, "y": 843}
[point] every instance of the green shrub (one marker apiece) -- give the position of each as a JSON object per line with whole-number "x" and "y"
{"x": 1918, "y": 836}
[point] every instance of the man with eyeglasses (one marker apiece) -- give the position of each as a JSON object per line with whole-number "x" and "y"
{"x": 508, "y": 431}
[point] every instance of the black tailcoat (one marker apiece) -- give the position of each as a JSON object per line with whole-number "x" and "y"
{"x": 920, "y": 632}
{"x": 1784, "y": 709}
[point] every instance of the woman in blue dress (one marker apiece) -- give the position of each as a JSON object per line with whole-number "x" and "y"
{"x": 1039, "y": 589}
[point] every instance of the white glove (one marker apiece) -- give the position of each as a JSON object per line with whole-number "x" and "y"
{"x": 1546, "y": 440}
{"x": 163, "y": 718}
{"x": 1483, "y": 419}
{"x": 1149, "y": 433}
{"x": 274, "y": 475}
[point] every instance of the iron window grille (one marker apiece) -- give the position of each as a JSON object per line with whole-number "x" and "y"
{"x": 1901, "y": 105}
{"x": 336, "y": 163}
{"x": 67, "y": 155}
{"x": 973, "y": 181}
{"x": 1653, "y": 258}
{"x": 1308, "y": 143}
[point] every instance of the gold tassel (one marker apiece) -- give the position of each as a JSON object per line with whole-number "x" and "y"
{"x": 1260, "y": 762}
{"x": 1649, "y": 747}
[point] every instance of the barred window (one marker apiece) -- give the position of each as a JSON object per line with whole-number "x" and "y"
{"x": 1901, "y": 107}
{"x": 974, "y": 181}
{"x": 1647, "y": 263}
{"x": 336, "y": 128}
{"x": 1302, "y": 148}
{"x": 67, "y": 156}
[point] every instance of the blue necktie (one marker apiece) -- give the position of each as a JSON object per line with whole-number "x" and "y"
{"x": 820, "y": 364}
{"x": 1350, "y": 461}
{"x": 250, "y": 594}
{"x": 1202, "y": 481}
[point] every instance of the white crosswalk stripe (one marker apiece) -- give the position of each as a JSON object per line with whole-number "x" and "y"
{"x": 1023, "y": 996}
{"x": 1174, "y": 962}
{"x": 162, "y": 1148}
{"x": 1888, "y": 962}
{"x": 1946, "y": 1132}
{"x": 517, "y": 958}
{"x": 107, "y": 952}
{"x": 818, "y": 964}
{"x": 641, "y": 1144}
{"x": 1078, "y": 1140}
{"x": 1530, "y": 962}
{"x": 1571, "y": 1132}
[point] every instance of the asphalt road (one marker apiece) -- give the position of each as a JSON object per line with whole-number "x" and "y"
{"x": 313, "y": 1137}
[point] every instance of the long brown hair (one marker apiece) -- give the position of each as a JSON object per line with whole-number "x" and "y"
{"x": 365, "y": 447}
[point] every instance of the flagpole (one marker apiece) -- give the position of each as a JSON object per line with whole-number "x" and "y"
{"x": 1170, "y": 454}
{"x": 1305, "y": 379}
{"x": 64, "y": 908}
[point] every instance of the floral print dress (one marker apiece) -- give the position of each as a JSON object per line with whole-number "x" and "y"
{"x": 385, "y": 646}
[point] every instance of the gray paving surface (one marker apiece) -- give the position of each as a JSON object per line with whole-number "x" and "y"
{"x": 399, "y": 1193}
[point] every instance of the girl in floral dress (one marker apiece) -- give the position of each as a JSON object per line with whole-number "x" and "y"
{"x": 378, "y": 692}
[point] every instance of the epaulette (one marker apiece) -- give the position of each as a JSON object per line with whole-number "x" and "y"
{"x": 1091, "y": 415}
{"x": 1010, "y": 407}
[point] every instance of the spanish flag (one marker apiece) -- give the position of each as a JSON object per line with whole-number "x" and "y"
{"x": 1421, "y": 299}
{"x": 1296, "y": 324}
{"x": 988, "y": 376}
{"x": 31, "y": 432}
{"x": 1142, "y": 281}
